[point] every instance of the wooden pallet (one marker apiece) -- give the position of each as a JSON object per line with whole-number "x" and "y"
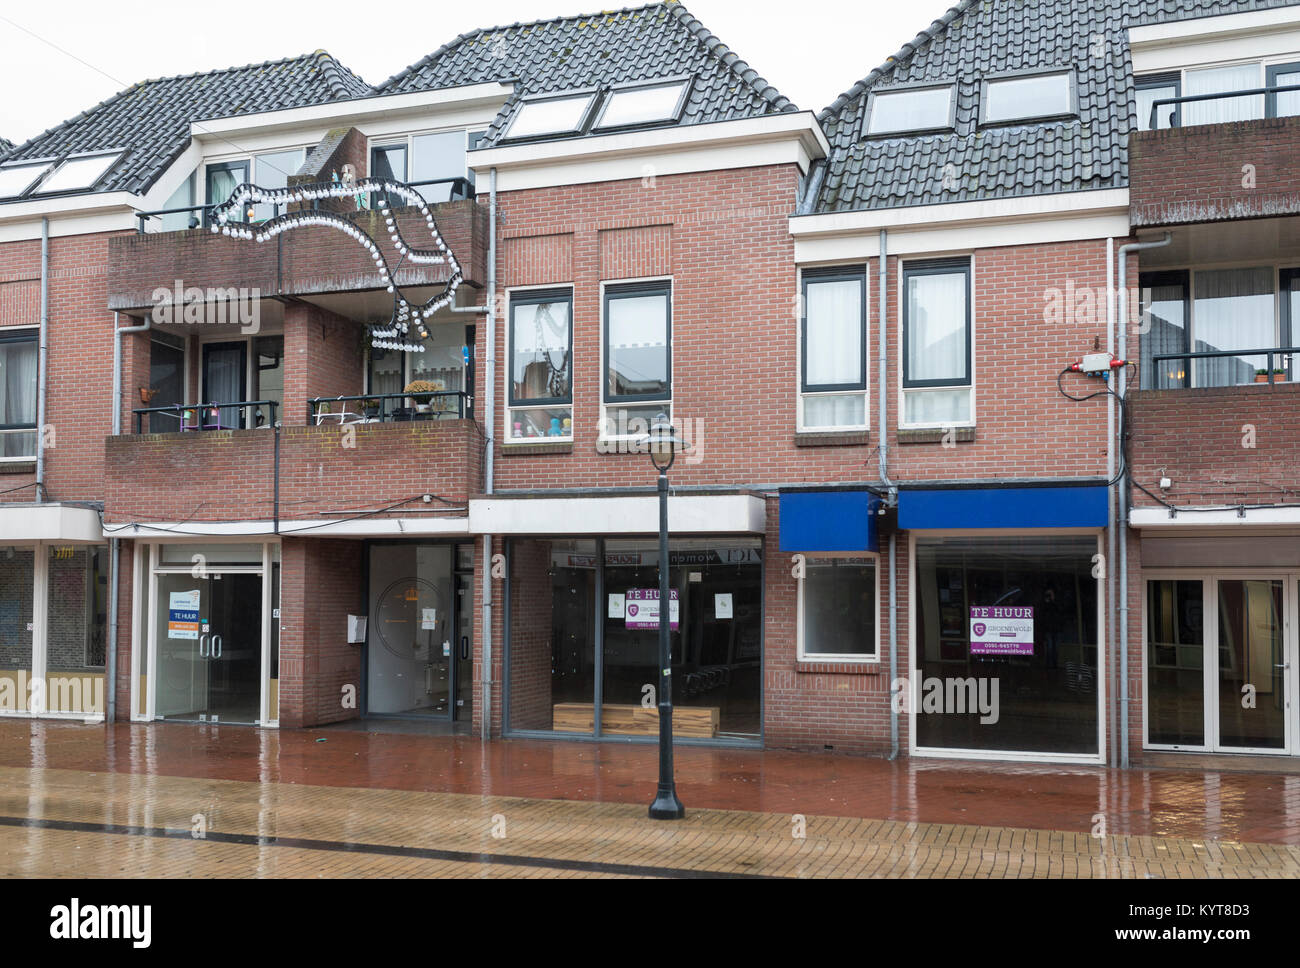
{"x": 700, "y": 722}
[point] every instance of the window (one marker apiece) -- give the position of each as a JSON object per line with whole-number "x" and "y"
{"x": 541, "y": 365}
{"x": 436, "y": 157}
{"x": 1155, "y": 88}
{"x": 446, "y": 362}
{"x": 1219, "y": 80}
{"x": 220, "y": 183}
{"x": 638, "y": 357}
{"x": 937, "y": 343}
{"x": 1164, "y": 329}
{"x": 1028, "y": 98}
{"x": 838, "y": 610}
{"x": 1283, "y": 104}
{"x": 551, "y": 116}
{"x": 18, "y": 402}
{"x": 833, "y": 350}
{"x": 643, "y": 104}
{"x": 79, "y": 173}
{"x": 272, "y": 171}
{"x": 921, "y": 109}
{"x": 15, "y": 180}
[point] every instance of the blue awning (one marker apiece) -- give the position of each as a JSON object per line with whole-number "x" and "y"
{"x": 822, "y": 521}
{"x": 1003, "y": 507}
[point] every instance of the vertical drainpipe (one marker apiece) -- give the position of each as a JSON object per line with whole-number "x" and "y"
{"x": 1112, "y": 532}
{"x": 1122, "y": 390}
{"x": 42, "y": 351}
{"x": 489, "y": 407}
{"x": 882, "y": 341}
{"x": 110, "y": 661}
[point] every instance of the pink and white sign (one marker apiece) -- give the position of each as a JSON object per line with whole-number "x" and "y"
{"x": 643, "y": 609}
{"x": 1002, "y": 630}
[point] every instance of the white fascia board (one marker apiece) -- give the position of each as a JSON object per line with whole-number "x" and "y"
{"x": 337, "y": 113}
{"x": 1033, "y": 220}
{"x": 1158, "y": 519}
{"x": 1201, "y": 29}
{"x": 50, "y": 522}
{"x": 343, "y": 528}
{"x": 68, "y": 215}
{"x": 1253, "y": 35}
{"x": 794, "y": 138}
{"x": 687, "y": 514}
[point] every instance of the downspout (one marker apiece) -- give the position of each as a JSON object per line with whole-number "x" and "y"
{"x": 42, "y": 356}
{"x": 1112, "y": 539}
{"x": 891, "y": 492}
{"x": 110, "y": 661}
{"x": 1123, "y": 496}
{"x": 489, "y": 407}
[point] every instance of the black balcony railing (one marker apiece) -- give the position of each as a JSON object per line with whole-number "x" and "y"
{"x": 389, "y": 408}
{"x": 1277, "y": 368}
{"x": 1175, "y": 116}
{"x": 458, "y": 189}
{"x": 188, "y": 417}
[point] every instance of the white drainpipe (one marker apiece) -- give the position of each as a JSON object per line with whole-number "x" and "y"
{"x": 42, "y": 358}
{"x": 490, "y": 422}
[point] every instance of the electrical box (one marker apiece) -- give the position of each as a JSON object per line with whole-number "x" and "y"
{"x": 356, "y": 629}
{"x": 1096, "y": 363}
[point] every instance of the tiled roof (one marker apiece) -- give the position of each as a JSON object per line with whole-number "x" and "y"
{"x": 658, "y": 40}
{"x": 151, "y": 119}
{"x": 978, "y": 38}
{"x": 6, "y": 146}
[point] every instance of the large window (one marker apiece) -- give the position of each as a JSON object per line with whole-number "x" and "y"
{"x": 1028, "y": 98}
{"x": 1217, "y": 311}
{"x": 447, "y": 363}
{"x": 911, "y": 111}
{"x": 641, "y": 104}
{"x": 17, "y": 395}
{"x": 833, "y": 351}
{"x": 1175, "y": 666}
{"x": 838, "y": 610}
{"x": 638, "y": 357}
{"x": 551, "y": 116}
{"x": 1223, "y": 80}
{"x": 1154, "y": 88}
{"x": 435, "y": 157}
{"x": 541, "y": 365}
{"x": 937, "y": 378}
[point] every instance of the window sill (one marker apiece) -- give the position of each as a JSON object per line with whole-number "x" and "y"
{"x": 936, "y": 435}
{"x": 18, "y": 467}
{"x": 832, "y": 438}
{"x": 537, "y": 449}
{"x": 837, "y": 667}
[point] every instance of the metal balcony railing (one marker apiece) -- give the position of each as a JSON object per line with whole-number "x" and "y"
{"x": 193, "y": 417}
{"x": 1175, "y": 116}
{"x": 389, "y": 408}
{"x": 1278, "y": 367}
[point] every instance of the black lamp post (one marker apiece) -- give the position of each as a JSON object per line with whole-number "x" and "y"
{"x": 663, "y": 444}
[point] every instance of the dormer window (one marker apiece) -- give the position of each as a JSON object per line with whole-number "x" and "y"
{"x": 911, "y": 111}
{"x": 1033, "y": 97}
{"x": 642, "y": 104}
{"x": 551, "y": 116}
{"x": 79, "y": 173}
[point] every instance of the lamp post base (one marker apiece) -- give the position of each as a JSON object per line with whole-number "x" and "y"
{"x": 666, "y": 805}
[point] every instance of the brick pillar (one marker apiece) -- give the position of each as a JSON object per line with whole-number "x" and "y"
{"x": 322, "y": 358}
{"x": 135, "y": 372}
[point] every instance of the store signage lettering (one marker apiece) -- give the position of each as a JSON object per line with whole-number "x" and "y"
{"x": 183, "y": 615}
{"x": 642, "y": 611}
{"x": 1002, "y": 630}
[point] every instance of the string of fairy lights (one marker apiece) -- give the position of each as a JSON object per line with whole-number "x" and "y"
{"x": 395, "y": 335}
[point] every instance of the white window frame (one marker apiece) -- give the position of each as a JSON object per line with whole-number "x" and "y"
{"x": 803, "y": 395}
{"x": 666, "y": 405}
{"x": 507, "y": 371}
{"x": 1264, "y": 63}
{"x": 899, "y": 310}
{"x": 801, "y": 613}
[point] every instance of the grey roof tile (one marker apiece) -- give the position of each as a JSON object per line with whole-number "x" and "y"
{"x": 592, "y": 50}
{"x": 6, "y": 146}
{"x": 977, "y": 38}
{"x": 151, "y": 119}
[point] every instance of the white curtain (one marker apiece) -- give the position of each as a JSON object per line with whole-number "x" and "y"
{"x": 845, "y": 410}
{"x": 941, "y": 407}
{"x": 18, "y": 361}
{"x": 1218, "y": 80}
{"x": 936, "y": 320}
{"x": 1233, "y": 309}
{"x": 834, "y": 343}
{"x": 638, "y": 344}
{"x": 1288, "y": 102}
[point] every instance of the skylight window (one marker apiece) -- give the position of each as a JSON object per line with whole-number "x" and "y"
{"x": 553, "y": 116}
{"x": 79, "y": 173}
{"x": 1027, "y": 98}
{"x": 643, "y": 105}
{"x": 16, "y": 179}
{"x": 918, "y": 109}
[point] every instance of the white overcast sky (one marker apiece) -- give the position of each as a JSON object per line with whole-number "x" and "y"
{"x": 111, "y": 44}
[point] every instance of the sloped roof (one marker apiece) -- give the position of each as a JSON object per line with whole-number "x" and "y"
{"x": 151, "y": 119}
{"x": 979, "y": 38}
{"x": 595, "y": 50}
{"x": 6, "y": 146}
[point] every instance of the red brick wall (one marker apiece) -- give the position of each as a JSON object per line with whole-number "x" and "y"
{"x": 323, "y": 357}
{"x": 1199, "y": 174}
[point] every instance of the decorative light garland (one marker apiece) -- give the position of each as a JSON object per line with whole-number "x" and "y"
{"x": 393, "y": 336}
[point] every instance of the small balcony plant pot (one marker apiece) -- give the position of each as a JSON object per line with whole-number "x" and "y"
{"x": 422, "y": 393}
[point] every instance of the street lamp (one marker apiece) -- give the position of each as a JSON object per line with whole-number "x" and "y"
{"x": 663, "y": 444}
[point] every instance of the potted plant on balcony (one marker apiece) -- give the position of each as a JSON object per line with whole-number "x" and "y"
{"x": 1279, "y": 376}
{"x": 372, "y": 409}
{"x": 422, "y": 392}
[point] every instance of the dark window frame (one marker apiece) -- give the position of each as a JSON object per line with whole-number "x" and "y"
{"x": 1271, "y": 72}
{"x": 1072, "y": 112}
{"x": 246, "y": 165}
{"x": 536, "y": 298}
{"x": 813, "y": 277}
{"x": 1164, "y": 279}
{"x": 22, "y": 336}
{"x": 953, "y": 95}
{"x": 938, "y": 267}
{"x": 1147, "y": 82}
{"x": 595, "y": 97}
{"x": 687, "y": 81}
{"x": 630, "y": 291}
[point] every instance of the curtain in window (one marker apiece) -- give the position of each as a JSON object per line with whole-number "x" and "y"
{"x": 1167, "y": 333}
{"x": 1233, "y": 310}
{"x": 386, "y": 372}
{"x": 18, "y": 361}
{"x": 834, "y": 341}
{"x": 937, "y": 407}
{"x": 845, "y": 410}
{"x": 1287, "y": 102}
{"x": 222, "y": 183}
{"x": 1217, "y": 80}
{"x": 223, "y": 378}
{"x": 1148, "y": 96}
{"x": 540, "y": 368}
{"x": 637, "y": 354}
{"x": 936, "y": 320}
